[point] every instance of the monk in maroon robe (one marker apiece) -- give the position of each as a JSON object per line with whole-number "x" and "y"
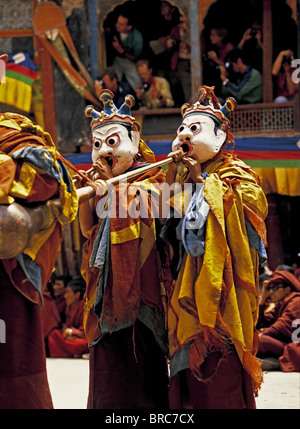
{"x": 49, "y": 315}
{"x": 31, "y": 172}
{"x": 277, "y": 326}
{"x": 70, "y": 340}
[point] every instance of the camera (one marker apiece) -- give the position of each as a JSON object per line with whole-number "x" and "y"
{"x": 146, "y": 87}
{"x": 288, "y": 60}
{"x": 253, "y": 32}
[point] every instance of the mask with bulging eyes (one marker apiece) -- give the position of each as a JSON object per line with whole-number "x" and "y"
{"x": 117, "y": 145}
{"x": 199, "y": 137}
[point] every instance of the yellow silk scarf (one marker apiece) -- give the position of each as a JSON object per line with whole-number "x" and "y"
{"x": 216, "y": 294}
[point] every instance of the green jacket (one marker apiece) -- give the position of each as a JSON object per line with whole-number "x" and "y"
{"x": 248, "y": 89}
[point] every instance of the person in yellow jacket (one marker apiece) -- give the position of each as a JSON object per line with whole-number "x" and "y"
{"x": 214, "y": 209}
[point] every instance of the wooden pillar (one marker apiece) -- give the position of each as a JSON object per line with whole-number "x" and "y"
{"x": 275, "y": 247}
{"x": 267, "y": 52}
{"x": 48, "y": 92}
{"x": 93, "y": 24}
{"x": 45, "y": 62}
{"x": 196, "y": 72}
{"x": 298, "y": 53}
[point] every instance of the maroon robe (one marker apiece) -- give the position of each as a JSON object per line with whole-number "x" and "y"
{"x": 129, "y": 360}
{"x": 49, "y": 314}
{"x": 290, "y": 360}
{"x": 128, "y": 367}
{"x": 23, "y": 376}
{"x": 64, "y": 347}
{"x": 231, "y": 387}
{"x": 276, "y": 339}
{"x": 61, "y": 305}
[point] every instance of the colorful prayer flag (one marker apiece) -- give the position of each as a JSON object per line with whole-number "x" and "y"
{"x": 19, "y": 77}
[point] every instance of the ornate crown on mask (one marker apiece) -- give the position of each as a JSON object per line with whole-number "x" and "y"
{"x": 110, "y": 114}
{"x": 207, "y": 103}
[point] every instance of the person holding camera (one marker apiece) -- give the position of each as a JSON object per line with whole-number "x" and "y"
{"x": 180, "y": 74}
{"x": 221, "y": 46}
{"x": 214, "y": 57}
{"x": 155, "y": 91}
{"x": 248, "y": 87}
{"x": 252, "y": 46}
{"x": 286, "y": 90}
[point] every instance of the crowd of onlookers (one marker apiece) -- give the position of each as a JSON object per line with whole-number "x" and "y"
{"x": 163, "y": 79}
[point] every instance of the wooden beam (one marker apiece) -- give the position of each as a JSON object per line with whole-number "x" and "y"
{"x": 275, "y": 246}
{"x": 93, "y": 23}
{"x": 44, "y": 60}
{"x": 48, "y": 91}
{"x": 17, "y": 33}
{"x": 196, "y": 72}
{"x": 298, "y": 53}
{"x": 267, "y": 52}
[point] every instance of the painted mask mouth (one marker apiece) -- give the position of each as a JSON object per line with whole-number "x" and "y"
{"x": 111, "y": 161}
{"x": 186, "y": 147}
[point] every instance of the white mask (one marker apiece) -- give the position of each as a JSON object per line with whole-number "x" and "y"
{"x": 199, "y": 135}
{"x": 112, "y": 141}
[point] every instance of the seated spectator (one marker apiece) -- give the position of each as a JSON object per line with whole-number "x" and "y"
{"x": 276, "y": 326}
{"x": 127, "y": 45}
{"x": 248, "y": 88}
{"x": 70, "y": 340}
{"x": 59, "y": 289}
{"x": 155, "y": 91}
{"x": 215, "y": 56}
{"x": 252, "y": 46}
{"x": 179, "y": 44}
{"x": 220, "y": 46}
{"x": 166, "y": 21}
{"x": 108, "y": 79}
{"x": 285, "y": 89}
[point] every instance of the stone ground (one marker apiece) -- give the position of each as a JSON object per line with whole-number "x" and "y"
{"x": 68, "y": 380}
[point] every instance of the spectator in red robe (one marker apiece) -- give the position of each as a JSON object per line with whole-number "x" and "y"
{"x": 69, "y": 340}
{"x": 59, "y": 289}
{"x": 278, "y": 348}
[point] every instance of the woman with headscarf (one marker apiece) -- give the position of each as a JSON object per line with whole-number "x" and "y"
{"x": 278, "y": 336}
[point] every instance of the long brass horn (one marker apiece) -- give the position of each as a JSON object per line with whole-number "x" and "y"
{"x": 88, "y": 192}
{"x": 19, "y": 223}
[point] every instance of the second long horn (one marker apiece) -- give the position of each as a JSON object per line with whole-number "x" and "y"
{"x": 88, "y": 192}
